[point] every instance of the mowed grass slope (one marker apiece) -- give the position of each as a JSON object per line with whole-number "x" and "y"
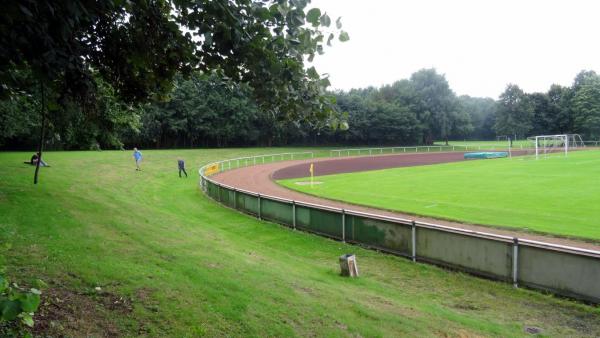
{"x": 171, "y": 262}
{"x": 556, "y": 195}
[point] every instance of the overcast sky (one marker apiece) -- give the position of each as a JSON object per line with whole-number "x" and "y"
{"x": 480, "y": 46}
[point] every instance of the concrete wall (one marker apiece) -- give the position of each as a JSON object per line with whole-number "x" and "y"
{"x": 568, "y": 272}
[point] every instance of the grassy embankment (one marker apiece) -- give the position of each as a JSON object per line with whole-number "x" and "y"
{"x": 171, "y": 262}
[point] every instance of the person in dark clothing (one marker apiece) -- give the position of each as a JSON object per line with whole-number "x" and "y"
{"x": 35, "y": 158}
{"x": 181, "y": 165}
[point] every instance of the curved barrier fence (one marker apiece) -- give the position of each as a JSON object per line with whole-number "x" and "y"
{"x": 563, "y": 270}
{"x": 436, "y": 148}
{"x": 420, "y": 149}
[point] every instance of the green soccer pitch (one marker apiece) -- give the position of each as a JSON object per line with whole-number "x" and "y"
{"x": 556, "y": 195}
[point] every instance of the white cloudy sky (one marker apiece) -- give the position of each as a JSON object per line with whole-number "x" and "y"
{"x": 480, "y": 46}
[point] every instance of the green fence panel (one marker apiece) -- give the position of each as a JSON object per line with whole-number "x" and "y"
{"x": 247, "y": 203}
{"x": 320, "y": 221}
{"x": 227, "y": 197}
{"x": 560, "y": 272}
{"x": 213, "y": 190}
{"x": 476, "y": 255}
{"x": 276, "y": 211}
{"x": 380, "y": 234}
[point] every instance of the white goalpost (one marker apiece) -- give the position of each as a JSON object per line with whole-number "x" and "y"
{"x": 549, "y": 144}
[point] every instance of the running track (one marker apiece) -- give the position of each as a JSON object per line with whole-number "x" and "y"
{"x": 260, "y": 179}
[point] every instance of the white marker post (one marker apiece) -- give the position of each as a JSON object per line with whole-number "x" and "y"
{"x": 312, "y": 172}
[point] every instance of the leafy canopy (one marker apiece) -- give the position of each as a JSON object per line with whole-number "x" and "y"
{"x": 138, "y": 47}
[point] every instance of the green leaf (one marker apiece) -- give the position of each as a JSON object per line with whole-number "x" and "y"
{"x": 312, "y": 73}
{"x": 344, "y": 125}
{"x": 29, "y": 302}
{"x": 39, "y": 284}
{"x": 313, "y": 16}
{"x": 9, "y": 309}
{"x": 3, "y": 283}
{"x": 344, "y": 36}
{"x": 27, "y": 319}
{"x": 283, "y": 9}
{"x": 299, "y": 3}
{"x": 325, "y": 20}
{"x": 263, "y": 13}
{"x": 297, "y": 18}
{"x": 331, "y": 36}
{"x": 338, "y": 23}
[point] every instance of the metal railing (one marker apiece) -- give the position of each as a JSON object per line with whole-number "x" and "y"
{"x": 246, "y": 161}
{"x": 416, "y": 149}
{"x": 564, "y": 270}
{"x": 517, "y": 145}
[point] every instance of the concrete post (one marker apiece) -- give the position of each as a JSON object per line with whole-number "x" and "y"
{"x": 344, "y": 225}
{"x": 259, "y": 217}
{"x": 294, "y": 214}
{"x": 414, "y": 241}
{"x": 515, "y": 261}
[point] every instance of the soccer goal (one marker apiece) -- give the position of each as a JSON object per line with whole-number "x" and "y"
{"x": 545, "y": 145}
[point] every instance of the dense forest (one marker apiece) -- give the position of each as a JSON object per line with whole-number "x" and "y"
{"x": 207, "y": 110}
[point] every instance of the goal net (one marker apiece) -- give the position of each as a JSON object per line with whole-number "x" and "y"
{"x": 545, "y": 145}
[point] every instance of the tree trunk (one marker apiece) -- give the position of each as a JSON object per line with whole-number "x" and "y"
{"x": 42, "y": 136}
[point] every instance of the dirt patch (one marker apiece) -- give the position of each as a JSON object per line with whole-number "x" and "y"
{"x": 468, "y": 306}
{"x": 70, "y": 313}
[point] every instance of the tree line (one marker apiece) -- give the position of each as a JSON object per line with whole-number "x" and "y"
{"x": 207, "y": 110}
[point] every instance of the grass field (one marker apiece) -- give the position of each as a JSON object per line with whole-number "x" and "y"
{"x": 556, "y": 195}
{"x": 171, "y": 262}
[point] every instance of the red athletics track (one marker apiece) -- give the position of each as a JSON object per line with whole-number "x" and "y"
{"x": 260, "y": 179}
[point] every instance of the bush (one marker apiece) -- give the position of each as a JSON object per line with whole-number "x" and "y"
{"x": 17, "y": 306}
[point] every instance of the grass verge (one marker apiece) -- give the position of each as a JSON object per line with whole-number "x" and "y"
{"x": 129, "y": 253}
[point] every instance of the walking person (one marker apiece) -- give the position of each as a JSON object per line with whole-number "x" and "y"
{"x": 181, "y": 165}
{"x": 137, "y": 155}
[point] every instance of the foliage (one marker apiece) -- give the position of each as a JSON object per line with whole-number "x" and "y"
{"x": 138, "y": 47}
{"x": 586, "y": 106}
{"x": 98, "y": 126}
{"x": 202, "y": 110}
{"x": 514, "y": 114}
{"x": 17, "y": 307}
{"x": 481, "y": 113}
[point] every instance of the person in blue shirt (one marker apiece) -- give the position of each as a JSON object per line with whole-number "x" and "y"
{"x": 181, "y": 165}
{"x": 137, "y": 155}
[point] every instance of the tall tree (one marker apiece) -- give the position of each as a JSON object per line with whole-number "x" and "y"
{"x": 436, "y": 105}
{"x": 560, "y": 111}
{"x": 586, "y": 107}
{"x": 481, "y": 113}
{"x": 514, "y": 113}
